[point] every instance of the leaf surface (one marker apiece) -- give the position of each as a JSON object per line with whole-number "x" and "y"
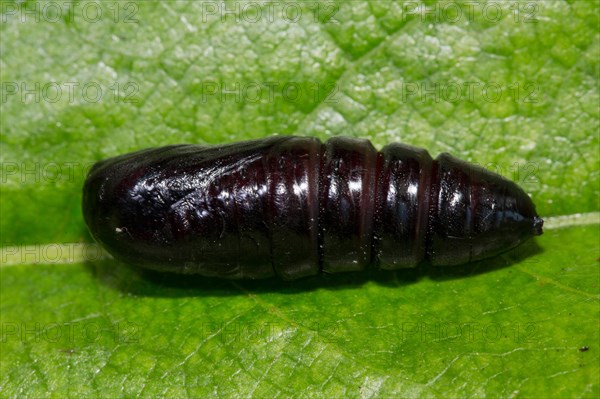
{"x": 512, "y": 86}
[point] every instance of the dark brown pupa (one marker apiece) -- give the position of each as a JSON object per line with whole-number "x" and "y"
{"x": 294, "y": 207}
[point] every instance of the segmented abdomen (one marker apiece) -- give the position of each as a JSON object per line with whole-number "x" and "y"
{"x": 293, "y": 206}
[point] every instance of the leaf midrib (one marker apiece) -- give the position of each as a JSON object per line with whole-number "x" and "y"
{"x": 21, "y": 251}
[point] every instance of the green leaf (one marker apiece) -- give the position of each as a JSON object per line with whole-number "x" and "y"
{"x": 513, "y": 86}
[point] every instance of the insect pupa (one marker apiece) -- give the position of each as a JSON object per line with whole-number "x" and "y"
{"x": 293, "y": 207}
